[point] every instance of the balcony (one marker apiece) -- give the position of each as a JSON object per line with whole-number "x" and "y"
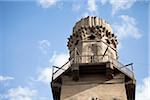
{"x": 85, "y": 59}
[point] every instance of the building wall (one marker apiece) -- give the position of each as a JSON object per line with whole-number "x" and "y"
{"x": 101, "y": 48}
{"x": 94, "y": 88}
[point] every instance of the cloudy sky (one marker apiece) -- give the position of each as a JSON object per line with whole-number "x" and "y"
{"x": 33, "y": 37}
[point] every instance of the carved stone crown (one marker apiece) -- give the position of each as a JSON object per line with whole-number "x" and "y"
{"x": 92, "y": 28}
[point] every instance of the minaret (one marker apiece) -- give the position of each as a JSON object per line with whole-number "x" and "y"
{"x": 93, "y": 71}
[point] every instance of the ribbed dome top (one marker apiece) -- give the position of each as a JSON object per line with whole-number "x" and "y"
{"x": 92, "y": 21}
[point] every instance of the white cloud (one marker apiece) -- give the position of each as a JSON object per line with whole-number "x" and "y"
{"x": 118, "y": 5}
{"x": 76, "y": 7}
{"x": 44, "y": 46}
{"x": 60, "y": 6}
{"x": 47, "y": 3}
{"x": 143, "y": 90}
{"x": 92, "y": 7}
{"x": 21, "y": 93}
{"x": 45, "y": 75}
{"x": 103, "y": 2}
{"x": 59, "y": 59}
{"x": 127, "y": 27}
{"x": 5, "y": 78}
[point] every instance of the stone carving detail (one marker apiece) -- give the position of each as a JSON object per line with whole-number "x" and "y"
{"x": 91, "y": 29}
{"x": 82, "y": 31}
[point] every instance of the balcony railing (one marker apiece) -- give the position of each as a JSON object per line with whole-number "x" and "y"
{"x": 92, "y": 59}
{"x": 60, "y": 70}
{"x": 123, "y": 68}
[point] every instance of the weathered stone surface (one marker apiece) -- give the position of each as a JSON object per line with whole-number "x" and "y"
{"x": 93, "y": 31}
{"x": 94, "y": 87}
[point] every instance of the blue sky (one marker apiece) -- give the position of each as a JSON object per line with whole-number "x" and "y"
{"x": 33, "y": 37}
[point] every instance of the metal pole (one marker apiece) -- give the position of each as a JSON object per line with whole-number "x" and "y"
{"x": 132, "y": 69}
{"x": 128, "y": 65}
{"x": 52, "y": 73}
{"x": 105, "y": 52}
{"x": 58, "y": 67}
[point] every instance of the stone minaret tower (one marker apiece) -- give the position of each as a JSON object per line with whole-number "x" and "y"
{"x": 93, "y": 71}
